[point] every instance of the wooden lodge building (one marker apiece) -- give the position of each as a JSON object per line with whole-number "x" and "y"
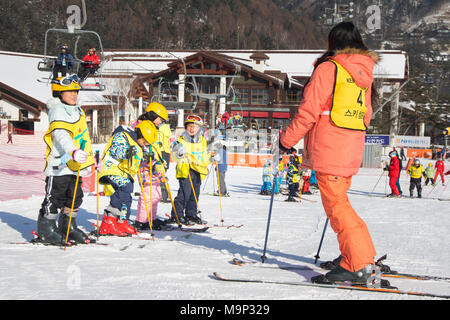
{"x": 263, "y": 87}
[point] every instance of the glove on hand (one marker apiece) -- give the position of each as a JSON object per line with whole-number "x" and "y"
{"x": 79, "y": 156}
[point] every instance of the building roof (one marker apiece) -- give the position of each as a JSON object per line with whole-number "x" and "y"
{"x": 393, "y": 65}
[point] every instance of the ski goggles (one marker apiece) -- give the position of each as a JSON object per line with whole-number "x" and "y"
{"x": 68, "y": 80}
{"x": 194, "y": 119}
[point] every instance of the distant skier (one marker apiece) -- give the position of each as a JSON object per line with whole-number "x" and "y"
{"x": 292, "y": 179}
{"x": 306, "y": 176}
{"x": 221, "y": 157}
{"x": 440, "y": 167}
{"x": 279, "y": 176}
{"x": 429, "y": 174}
{"x": 9, "y": 138}
{"x": 267, "y": 177}
{"x": 394, "y": 172}
{"x": 64, "y": 63}
{"x": 416, "y": 171}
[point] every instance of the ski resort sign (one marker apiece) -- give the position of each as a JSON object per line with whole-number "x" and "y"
{"x": 411, "y": 141}
{"x": 382, "y": 140}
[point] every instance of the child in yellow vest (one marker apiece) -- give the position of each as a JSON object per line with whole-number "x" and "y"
{"x": 416, "y": 171}
{"x": 120, "y": 163}
{"x": 190, "y": 152}
{"x": 152, "y": 183}
{"x": 68, "y": 152}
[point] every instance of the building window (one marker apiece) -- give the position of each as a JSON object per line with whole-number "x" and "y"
{"x": 292, "y": 96}
{"x": 242, "y": 95}
{"x": 260, "y": 96}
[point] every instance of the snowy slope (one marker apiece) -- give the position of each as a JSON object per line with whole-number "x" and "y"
{"x": 414, "y": 233}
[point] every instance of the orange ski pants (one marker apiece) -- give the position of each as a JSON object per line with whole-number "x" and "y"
{"x": 355, "y": 243}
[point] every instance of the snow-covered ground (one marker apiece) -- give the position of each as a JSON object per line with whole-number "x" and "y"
{"x": 177, "y": 266}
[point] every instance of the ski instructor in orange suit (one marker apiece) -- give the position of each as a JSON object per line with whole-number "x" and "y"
{"x": 333, "y": 117}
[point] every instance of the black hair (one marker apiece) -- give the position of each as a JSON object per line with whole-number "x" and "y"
{"x": 138, "y": 133}
{"x": 344, "y": 35}
{"x": 152, "y": 116}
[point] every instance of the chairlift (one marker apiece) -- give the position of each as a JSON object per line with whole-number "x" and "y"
{"x": 165, "y": 95}
{"x": 48, "y": 62}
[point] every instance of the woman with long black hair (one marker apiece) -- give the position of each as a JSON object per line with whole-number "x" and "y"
{"x": 333, "y": 117}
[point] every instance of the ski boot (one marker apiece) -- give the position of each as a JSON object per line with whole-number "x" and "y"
{"x": 290, "y": 199}
{"x": 124, "y": 227}
{"x": 330, "y": 265}
{"x": 75, "y": 234}
{"x": 47, "y": 230}
{"x": 140, "y": 226}
{"x": 109, "y": 226}
{"x": 158, "y": 224}
{"x": 195, "y": 220}
{"x": 340, "y": 275}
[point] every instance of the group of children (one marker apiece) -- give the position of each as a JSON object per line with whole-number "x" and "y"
{"x": 298, "y": 180}
{"x": 415, "y": 171}
{"x": 131, "y": 152}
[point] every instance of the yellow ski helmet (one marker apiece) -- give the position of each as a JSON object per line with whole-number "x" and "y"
{"x": 68, "y": 83}
{"x": 147, "y": 130}
{"x": 158, "y": 109}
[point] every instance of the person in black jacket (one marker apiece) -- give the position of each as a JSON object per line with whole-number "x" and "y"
{"x": 64, "y": 63}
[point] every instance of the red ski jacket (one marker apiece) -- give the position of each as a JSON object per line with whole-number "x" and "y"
{"x": 92, "y": 58}
{"x": 439, "y": 165}
{"x": 394, "y": 167}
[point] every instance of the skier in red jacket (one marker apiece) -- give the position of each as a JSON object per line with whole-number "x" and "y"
{"x": 439, "y": 166}
{"x": 90, "y": 64}
{"x": 394, "y": 171}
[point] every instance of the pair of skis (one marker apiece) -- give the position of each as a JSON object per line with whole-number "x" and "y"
{"x": 344, "y": 286}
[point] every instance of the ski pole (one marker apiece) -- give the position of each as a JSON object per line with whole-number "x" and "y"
{"x": 97, "y": 159}
{"x": 432, "y": 189}
{"x": 321, "y": 239}
{"x": 276, "y": 156}
{"x": 193, "y": 191}
{"x": 98, "y": 196}
{"x": 382, "y": 174}
{"x": 145, "y": 202}
{"x": 220, "y": 193}
{"x": 151, "y": 196}
{"x": 171, "y": 198}
{"x": 207, "y": 177}
{"x": 263, "y": 257}
{"x": 71, "y": 208}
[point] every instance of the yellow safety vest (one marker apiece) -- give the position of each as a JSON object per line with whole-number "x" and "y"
{"x": 280, "y": 165}
{"x": 295, "y": 176}
{"x": 164, "y": 135}
{"x": 80, "y": 135}
{"x": 196, "y": 158}
{"x": 126, "y": 168}
{"x": 349, "y": 101}
{"x": 416, "y": 172}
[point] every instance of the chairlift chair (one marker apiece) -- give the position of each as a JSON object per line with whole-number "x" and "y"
{"x": 48, "y": 62}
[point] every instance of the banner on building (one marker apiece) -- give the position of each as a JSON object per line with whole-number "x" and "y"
{"x": 412, "y": 141}
{"x": 382, "y": 140}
